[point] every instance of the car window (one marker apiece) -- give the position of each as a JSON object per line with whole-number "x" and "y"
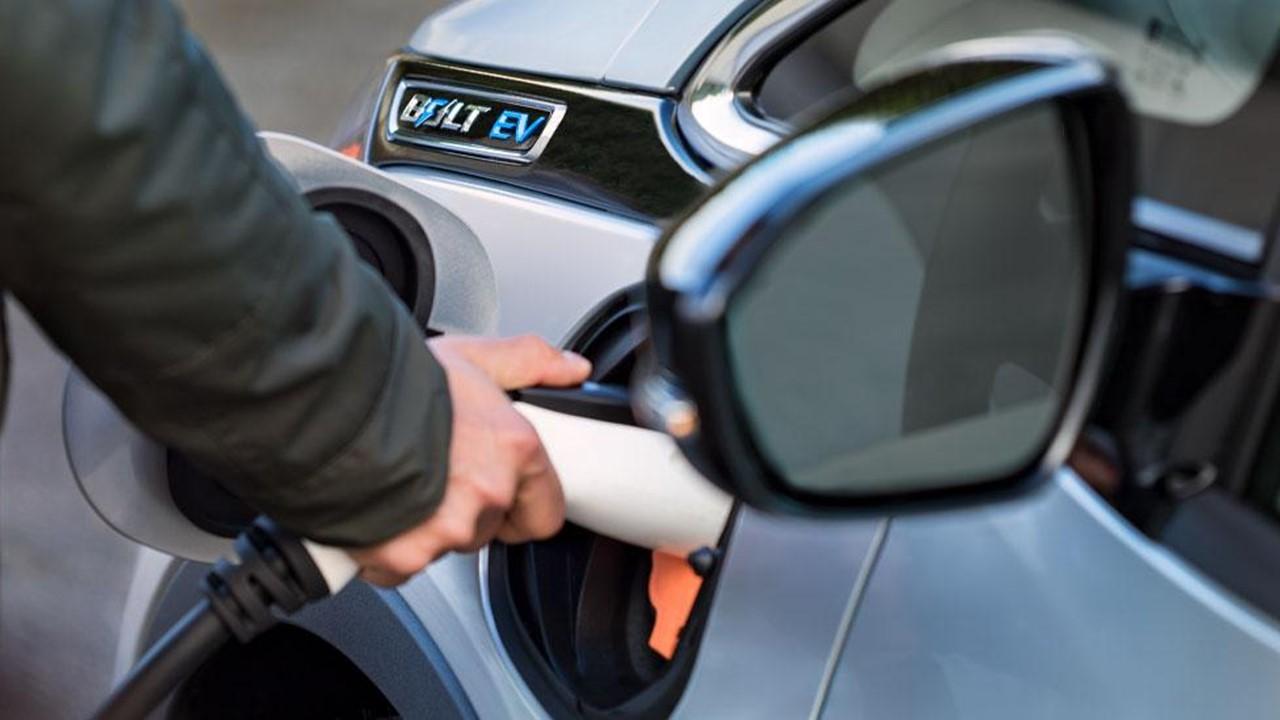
{"x": 1201, "y": 75}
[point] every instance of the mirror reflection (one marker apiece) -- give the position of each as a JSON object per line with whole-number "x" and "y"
{"x": 920, "y": 323}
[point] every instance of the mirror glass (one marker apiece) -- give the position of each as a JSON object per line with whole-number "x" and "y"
{"x": 918, "y": 326}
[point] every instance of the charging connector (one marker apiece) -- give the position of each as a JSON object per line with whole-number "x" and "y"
{"x": 276, "y": 575}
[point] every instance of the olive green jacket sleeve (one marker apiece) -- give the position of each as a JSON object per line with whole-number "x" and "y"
{"x": 149, "y": 235}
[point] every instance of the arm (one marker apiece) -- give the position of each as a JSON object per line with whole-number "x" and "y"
{"x": 156, "y": 244}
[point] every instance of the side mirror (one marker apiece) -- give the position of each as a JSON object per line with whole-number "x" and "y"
{"x": 910, "y": 299}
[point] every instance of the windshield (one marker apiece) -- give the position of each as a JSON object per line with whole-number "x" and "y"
{"x": 1201, "y": 75}
{"x": 1188, "y": 61}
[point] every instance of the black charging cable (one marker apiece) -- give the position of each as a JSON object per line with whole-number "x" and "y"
{"x": 276, "y": 576}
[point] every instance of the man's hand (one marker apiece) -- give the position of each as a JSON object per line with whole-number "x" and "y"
{"x": 501, "y": 483}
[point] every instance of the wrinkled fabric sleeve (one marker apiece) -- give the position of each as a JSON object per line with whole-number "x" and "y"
{"x": 162, "y": 250}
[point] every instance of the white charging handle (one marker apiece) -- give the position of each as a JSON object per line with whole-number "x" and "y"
{"x": 621, "y": 481}
{"x": 336, "y": 566}
{"x": 630, "y": 483}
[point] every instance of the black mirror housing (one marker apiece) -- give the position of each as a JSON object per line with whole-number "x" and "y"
{"x": 741, "y": 248}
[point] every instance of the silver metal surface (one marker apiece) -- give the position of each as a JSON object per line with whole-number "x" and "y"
{"x": 573, "y": 39}
{"x": 647, "y": 45}
{"x": 779, "y": 605}
{"x": 452, "y": 605}
{"x": 123, "y": 475}
{"x": 152, "y": 571}
{"x": 669, "y": 134}
{"x": 555, "y": 112}
{"x": 840, "y": 641}
{"x": 552, "y": 261}
{"x": 664, "y": 50}
{"x": 1054, "y": 607}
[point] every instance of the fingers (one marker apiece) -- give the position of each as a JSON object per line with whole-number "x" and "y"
{"x": 378, "y": 576}
{"x": 395, "y": 561}
{"x": 500, "y": 483}
{"x": 518, "y": 362}
{"x": 487, "y": 525}
{"x": 538, "y": 510}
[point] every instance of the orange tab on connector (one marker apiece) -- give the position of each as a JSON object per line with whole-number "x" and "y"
{"x": 673, "y": 588}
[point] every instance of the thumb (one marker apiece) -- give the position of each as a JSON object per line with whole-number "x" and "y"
{"x": 526, "y": 361}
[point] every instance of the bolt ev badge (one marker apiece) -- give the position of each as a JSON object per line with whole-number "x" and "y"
{"x": 472, "y": 122}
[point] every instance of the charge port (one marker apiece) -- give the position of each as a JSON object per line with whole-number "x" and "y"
{"x": 389, "y": 239}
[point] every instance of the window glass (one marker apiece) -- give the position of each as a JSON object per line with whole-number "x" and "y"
{"x": 1201, "y": 74}
{"x": 918, "y": 325}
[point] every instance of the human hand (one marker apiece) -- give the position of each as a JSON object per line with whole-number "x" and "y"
{"x": 501, "y": 483}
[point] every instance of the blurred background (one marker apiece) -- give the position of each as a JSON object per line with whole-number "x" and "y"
{"x": 296, "y": 65}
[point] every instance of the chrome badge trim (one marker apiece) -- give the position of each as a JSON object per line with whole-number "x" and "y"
{"x": 715, "y": 113}
{"x": 470, "y": 121}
